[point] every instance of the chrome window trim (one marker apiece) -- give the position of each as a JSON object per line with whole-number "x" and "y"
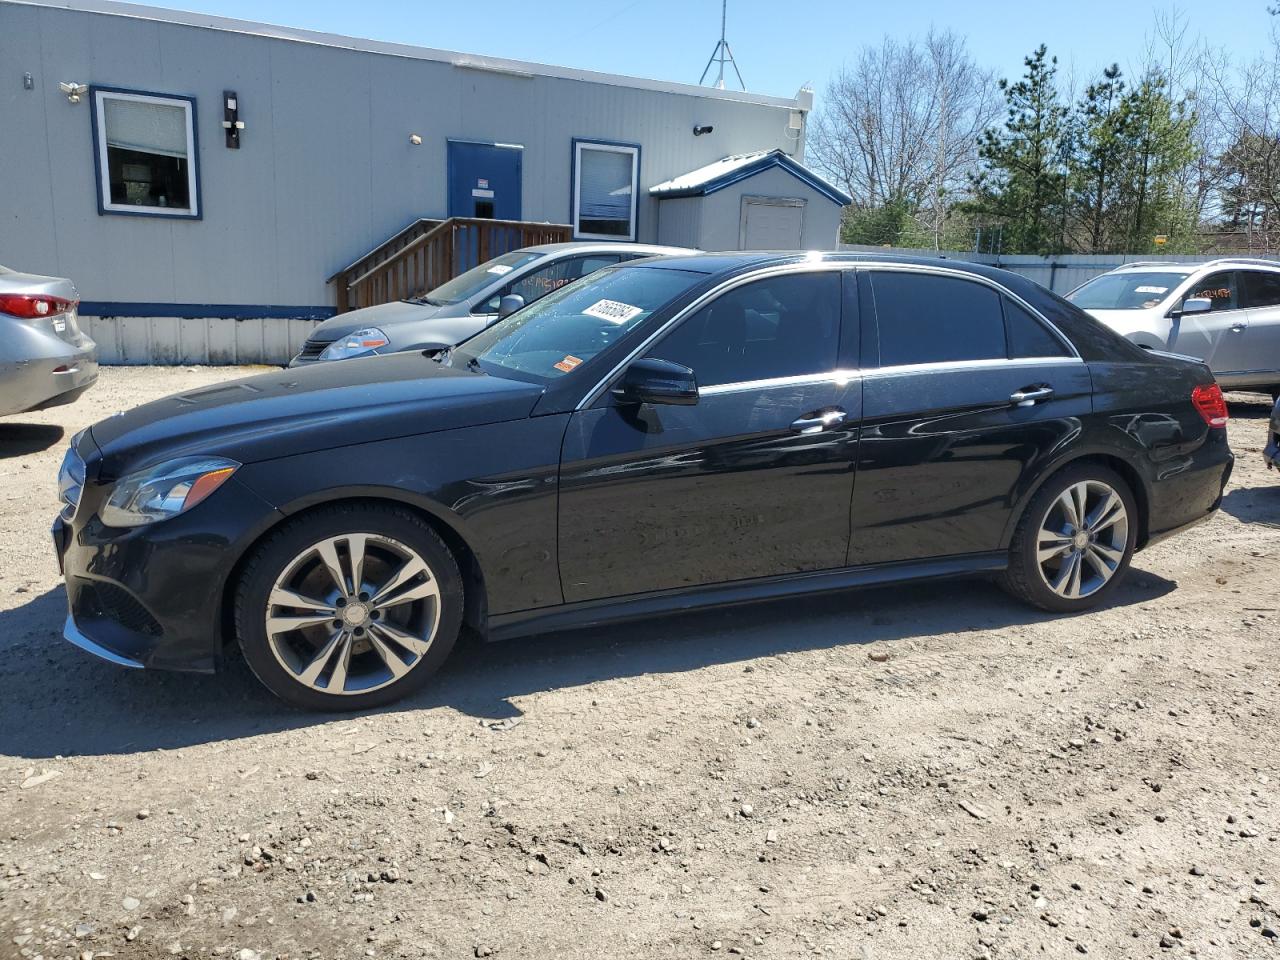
{"x": 819, "y": 266}
{"x": 838, "y": 377}
{"x": 953, "y": 366}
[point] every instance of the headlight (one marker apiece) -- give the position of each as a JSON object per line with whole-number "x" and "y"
{"x": 355, "y": 344}
{"x": 165, "y": 490}
{"x": 71, "y": 478}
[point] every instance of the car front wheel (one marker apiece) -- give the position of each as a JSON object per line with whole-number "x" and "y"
{"x": 349, "y": 607}
{"x": 1074, "y": 541}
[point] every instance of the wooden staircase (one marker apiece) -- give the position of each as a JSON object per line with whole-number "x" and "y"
{"x": 426, "y": 253}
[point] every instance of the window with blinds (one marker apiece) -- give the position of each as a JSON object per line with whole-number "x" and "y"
{"x": 606, "y": 181}
{"x": 145, "y": 153}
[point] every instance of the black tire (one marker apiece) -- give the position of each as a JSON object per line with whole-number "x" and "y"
{"x": 1024, "y": 577}
{"x": 280, "y": 552}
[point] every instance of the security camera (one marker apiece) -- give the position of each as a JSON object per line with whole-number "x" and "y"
{"x": 415, "y": 139}
{"x": 702, "y": 128}
{"x": 74, "y": 91}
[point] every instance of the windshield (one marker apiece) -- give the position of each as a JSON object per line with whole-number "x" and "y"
{"x": 1126, "y": 291}
{"x": 565, "y": 329}
{"x": 466, "y": 285}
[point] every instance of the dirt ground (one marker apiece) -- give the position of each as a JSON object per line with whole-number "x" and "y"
{"x": 757, "y": 782}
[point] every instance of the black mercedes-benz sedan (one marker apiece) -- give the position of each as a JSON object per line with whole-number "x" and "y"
{"x": 654, "y": 437}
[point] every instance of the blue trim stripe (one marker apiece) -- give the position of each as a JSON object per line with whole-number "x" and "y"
{"x": 228, "y": 311}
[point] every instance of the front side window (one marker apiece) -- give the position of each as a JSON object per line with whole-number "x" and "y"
{"x": 1218, "y": 288}
{"x": 782, "y": 326}
{"x": 924, "y": 318}
{"x": 565, "y": 329}
{"x": 146, "y": 154}
{"x": 538, "y": 283}
{"x": 1261, "y": 288}
{"x": 606, "y": 180}
{"x": 1128, "y": 290}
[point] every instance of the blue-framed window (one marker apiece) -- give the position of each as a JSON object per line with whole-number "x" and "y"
{"x": 606, "y": 184}
{"x": 145, "y": 153}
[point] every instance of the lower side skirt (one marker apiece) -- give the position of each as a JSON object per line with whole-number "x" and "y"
{"x": 589, "y": 613}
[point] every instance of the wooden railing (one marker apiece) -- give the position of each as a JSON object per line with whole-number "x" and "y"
{"x": 426, "y": 253}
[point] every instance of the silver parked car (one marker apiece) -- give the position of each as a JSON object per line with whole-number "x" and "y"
{"x": 45, "y": 359}
{"x": 469, "y": 302}
{"x": 1225, "y": 312}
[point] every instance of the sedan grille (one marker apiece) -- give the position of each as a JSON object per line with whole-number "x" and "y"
{"x": 312, "y": 349}
{"x": 105, "y": 601}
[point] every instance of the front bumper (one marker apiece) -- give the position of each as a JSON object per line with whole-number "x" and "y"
{"x": 154, "y": 596}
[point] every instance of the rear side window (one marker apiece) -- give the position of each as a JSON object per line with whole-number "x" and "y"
{"x": 1261, "y": 289}
{"x": 781, "y": 326}
{"x": 1028, "y": 337}
{"x": 925, "y": 318}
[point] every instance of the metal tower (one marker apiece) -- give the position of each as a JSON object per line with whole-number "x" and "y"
{"x": 722, "y": 54}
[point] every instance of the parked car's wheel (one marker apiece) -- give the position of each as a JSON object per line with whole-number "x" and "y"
{"x": 1074, "y": 541}
{"x": 349, "y": 607}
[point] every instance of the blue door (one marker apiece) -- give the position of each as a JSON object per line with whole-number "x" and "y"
{"x": 484, "y": 180}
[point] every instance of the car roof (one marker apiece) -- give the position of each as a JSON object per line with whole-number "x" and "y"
{"x": 609, "y": 246}
{"x": 1171, "y": 266}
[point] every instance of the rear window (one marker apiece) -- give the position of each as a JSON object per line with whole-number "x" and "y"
{"x": 924, "y": 318}
{"x": 1130, "y": 290}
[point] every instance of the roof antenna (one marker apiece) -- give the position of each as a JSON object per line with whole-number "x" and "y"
{"x": 722, "y": 54}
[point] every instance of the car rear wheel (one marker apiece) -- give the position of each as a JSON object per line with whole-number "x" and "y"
{"x": 1074, "y": 541}
{"x": 349, "y": 607}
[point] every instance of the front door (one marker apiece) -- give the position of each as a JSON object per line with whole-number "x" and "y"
{"x": 484, "y": 180}
{"x": 752, "y": 481}
{"x": 1217, "y": 337}
{"x": 971, "y": 393}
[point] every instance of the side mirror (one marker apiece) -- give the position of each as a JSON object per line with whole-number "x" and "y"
{"x": 1196, "y": 305}
{"x": 509, "y": 305}
{"x": 657, "y": 381}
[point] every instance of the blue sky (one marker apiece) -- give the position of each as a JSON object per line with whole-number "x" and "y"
{"x": 672, "y": 39}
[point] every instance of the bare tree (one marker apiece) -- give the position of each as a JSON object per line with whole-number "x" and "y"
{"x": 900, "y": 127}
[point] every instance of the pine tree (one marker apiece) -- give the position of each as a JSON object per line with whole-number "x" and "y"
{"x": 1024, "y": 184}
{"x": 1097, "y": 133}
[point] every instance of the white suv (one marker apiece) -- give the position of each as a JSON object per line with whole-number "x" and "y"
{"x": 1226, "y": 312}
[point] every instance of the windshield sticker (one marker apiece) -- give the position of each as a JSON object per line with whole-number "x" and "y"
{"x": 1150, "y": 303}
{"x": 1150, "y": 289}
{"x": 613, "y": 311}
{"x": 568, "y": 363}
{"x": 499, "y": 269}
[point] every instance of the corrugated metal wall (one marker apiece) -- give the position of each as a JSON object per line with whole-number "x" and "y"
{"x": 326, "y": 170}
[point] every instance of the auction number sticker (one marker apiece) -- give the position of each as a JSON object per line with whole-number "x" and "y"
{"x": 1148, "y": 289}
{"x": 500, "y": 269}
{"x": 613, "y": 311}
{"x": 568, "y": 363}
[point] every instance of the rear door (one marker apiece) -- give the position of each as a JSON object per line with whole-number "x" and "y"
{"x": 752, "y": 481}
{"x": 965, "y": 392}
{"x": 1260, "y": 290}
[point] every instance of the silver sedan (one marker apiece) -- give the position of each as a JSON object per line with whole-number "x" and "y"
{"x": 45, "y": 359}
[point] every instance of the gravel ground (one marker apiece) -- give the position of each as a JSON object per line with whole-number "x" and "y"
{"x": 932, "y": 773}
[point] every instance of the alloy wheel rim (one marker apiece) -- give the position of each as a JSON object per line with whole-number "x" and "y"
{"x": 353, "y": 613}
{"x": 1082, "y": 539}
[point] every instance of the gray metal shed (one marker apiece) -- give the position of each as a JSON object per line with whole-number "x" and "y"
{"x": 764, "y": 200}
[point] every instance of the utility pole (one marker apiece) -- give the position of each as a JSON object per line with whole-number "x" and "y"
{"x": 722, "y": 54}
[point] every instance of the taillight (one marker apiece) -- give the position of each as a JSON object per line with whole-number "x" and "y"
{"x": 1208, "y": 400}
{"x": 32, "y": 307}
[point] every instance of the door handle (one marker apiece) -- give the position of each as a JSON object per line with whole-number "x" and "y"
{"x": 1029, "y": 396}
{"x": 818, "y": 421}
{"x": 1237, "y": 327}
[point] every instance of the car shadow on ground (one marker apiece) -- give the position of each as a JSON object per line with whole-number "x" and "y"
{"x": 1258, "y": 505}
{"x": 56, "y": 700}
{"x": 18, "y": 439}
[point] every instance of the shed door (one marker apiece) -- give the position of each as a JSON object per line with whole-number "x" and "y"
{"x": 771, "y": 223}
{"x": 484, "y": 180}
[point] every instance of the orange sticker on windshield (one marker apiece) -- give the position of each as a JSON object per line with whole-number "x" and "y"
{"x": 568, "y": 363}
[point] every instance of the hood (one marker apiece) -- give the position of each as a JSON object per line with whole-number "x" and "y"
{"x": 381, "y": 316}
{"x": 320, "y": 407}
{"x": 1127, "y": 322}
